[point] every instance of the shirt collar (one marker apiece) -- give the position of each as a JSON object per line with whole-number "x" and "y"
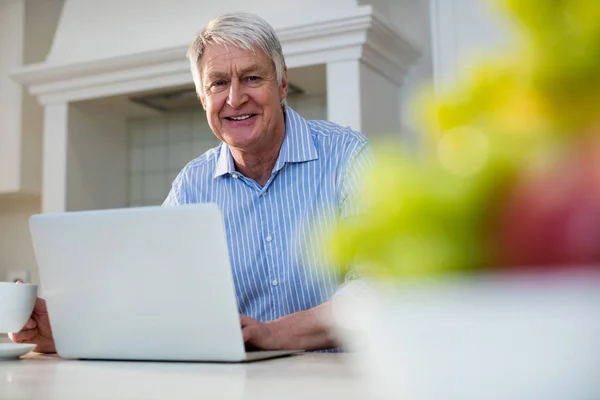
{"x": 224, "y": 161}
{"x": 297, "y": 146}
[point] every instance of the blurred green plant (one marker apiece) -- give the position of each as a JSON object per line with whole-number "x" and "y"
{"x": 432, "y": 212}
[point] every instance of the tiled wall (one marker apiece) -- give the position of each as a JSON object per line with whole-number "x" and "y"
{"x": 161, "y": 146}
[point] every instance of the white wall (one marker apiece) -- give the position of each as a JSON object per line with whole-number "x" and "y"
{"x": 97, "y": 159}
{"x": 380, "y": 105}
{"x": 464, "y": 32}
{"x": 16, "y": 251}
{"x": 41, "y": 19}
{"x": 12, "y": 22}
{"x": 26, "y": 31}
{"x": 451, "y": 34}
{"x": 92, "y": 29}
{"x": 412, "y": 18}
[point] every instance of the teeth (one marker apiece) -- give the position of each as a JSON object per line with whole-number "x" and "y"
{"x": 241, "y": 118}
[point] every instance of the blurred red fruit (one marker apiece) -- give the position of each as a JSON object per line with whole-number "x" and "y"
{"x": 550, "y": 219}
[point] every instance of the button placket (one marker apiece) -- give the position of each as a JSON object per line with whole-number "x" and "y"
{"x": 270, "y": 250}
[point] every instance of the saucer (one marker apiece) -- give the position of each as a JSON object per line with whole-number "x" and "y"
{"x": 11, "y": 351}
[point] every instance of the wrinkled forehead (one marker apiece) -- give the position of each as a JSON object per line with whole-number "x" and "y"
{"x": 224, "y": 59}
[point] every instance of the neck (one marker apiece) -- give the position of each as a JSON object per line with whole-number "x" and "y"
{"x": 258, "y": 163}
{"x": 256, "y": 166}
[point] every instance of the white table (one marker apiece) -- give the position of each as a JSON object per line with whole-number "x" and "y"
{"x": 304, "y": 376}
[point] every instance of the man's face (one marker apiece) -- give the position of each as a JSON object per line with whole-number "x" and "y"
{"x": 241, "y": 96}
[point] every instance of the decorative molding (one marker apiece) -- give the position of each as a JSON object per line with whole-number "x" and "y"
{"x": 361, "y": 35}
{"x": 387, "y": 51}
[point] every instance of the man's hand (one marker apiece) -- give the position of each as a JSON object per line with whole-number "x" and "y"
{"x": 37, "y": 330}
{"x": 259, "y": 335}
{"x": 305, "y": 330}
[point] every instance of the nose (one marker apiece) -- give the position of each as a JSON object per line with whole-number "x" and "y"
{"x": 237, "y": 95}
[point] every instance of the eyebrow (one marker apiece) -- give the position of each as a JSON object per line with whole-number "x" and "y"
{"x": 253, "y": 68}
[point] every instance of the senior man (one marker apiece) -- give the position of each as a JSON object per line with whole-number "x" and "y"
{"x": 275, "y": 175}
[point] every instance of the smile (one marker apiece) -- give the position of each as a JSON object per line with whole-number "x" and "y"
{"x": 240, "y": 118}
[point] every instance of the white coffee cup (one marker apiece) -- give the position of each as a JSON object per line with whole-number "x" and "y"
{"x": 16, "y": 304}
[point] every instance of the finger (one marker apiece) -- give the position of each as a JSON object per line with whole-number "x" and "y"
{"x": 31, "y": 324}
{"x": 247, "y": 333}
{"x": 40, "y": 306}
{"x": 244, "y": 320}
{"x": 24, "y": 336}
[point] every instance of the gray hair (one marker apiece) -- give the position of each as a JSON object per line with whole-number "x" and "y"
{"x": 242, "y": 30}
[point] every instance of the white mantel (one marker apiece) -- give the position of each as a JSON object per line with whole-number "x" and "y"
{"x": 97, "y": 30}
{"x": 359, "y": 34}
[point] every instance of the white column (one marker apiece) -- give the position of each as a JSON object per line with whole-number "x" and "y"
{"x": 360, "y": 96}
{"x": 343, "y": 93}
{"x": 55, "y": 157}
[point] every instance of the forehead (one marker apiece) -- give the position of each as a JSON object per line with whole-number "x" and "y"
{"x": 221, "y": 59}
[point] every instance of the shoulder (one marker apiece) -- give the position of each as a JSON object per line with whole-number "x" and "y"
{"x": 326, "y": 130}
{"x": 208, "y": 158}
{"x": 336, "y": 139}
{"x": 191, "y": 177}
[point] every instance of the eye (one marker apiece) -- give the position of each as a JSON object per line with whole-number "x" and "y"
{"x": 217, "y": 86}
{"x": 253, "y": 79}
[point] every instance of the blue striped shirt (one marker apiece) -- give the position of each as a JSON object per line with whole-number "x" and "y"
{"x": 274, "y": 231}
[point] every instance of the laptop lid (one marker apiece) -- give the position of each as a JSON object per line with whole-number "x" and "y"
{"x": 150, "y": 283}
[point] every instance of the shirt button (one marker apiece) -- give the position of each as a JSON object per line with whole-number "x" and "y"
{"x": 235, "y": 176}
{"x": 263, "y": 194}
{"x": 275, "y": 282}
{"x": 269, "y": 238}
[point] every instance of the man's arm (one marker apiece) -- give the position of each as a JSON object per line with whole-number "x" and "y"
{"x": 313, "y": 329}
{"x": 352, "y": 203}
{"x": 304, "y": 330}
{"x": 177, "y": 195}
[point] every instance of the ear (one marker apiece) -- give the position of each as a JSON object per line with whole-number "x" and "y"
{"x": 196, "y": 74}
{"x": 283, "y": 89}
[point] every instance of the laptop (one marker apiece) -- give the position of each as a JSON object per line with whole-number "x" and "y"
{"x": 145, "y": 283}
